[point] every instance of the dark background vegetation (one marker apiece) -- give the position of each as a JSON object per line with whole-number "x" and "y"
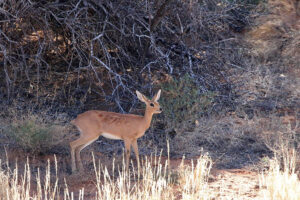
{"x": 228, "y": 70}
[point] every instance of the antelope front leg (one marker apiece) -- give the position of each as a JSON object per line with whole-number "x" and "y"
{"x": 136, "y": 151}
{"x": 127, "y": 152}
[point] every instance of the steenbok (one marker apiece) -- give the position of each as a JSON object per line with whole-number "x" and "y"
{"x": 116, "y": 126}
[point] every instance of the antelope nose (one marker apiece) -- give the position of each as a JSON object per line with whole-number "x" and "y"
{"x": 160, "y": 109}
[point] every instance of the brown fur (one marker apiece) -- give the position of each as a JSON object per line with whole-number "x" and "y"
{"x": 127, "y": 127}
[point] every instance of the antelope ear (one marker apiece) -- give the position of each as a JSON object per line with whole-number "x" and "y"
{"x": 141, "y": 97}
{"x": 157, "y": 96}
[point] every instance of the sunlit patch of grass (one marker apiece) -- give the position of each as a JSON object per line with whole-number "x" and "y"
{"x": 155, "y": 180}
{"x": 16, "y": 186}
{"x": 281, "y": 183}
{"x": 193, "y": 179}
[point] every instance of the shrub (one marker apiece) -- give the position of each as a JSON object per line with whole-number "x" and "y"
{"x": 182, "y": 102}
{"x": 32, "y": 135}
{"x": 278, "y": 134}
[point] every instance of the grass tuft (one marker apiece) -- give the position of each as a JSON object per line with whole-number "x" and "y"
{"x": 281, "y": 183}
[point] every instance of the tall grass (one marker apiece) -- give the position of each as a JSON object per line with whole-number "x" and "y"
{"x": 16, "y": 186}
{"x": 159, "y": 182}
{"x": 281, "y": 181}
{"x": 154, "y": 181}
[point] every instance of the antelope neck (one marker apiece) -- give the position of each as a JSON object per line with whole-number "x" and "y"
{"x": 148, "y": 117}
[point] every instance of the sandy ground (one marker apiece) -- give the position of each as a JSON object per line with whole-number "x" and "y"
{"x": 235, "y": 184}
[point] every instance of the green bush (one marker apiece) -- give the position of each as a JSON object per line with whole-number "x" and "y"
{"x": 183, "y": 103}
{"x": 31, "y": 135}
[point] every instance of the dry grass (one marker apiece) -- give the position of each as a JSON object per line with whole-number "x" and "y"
{"x": 271, "y": 81}
{"x": 159, "y": 182}
{"x": 232, "y": 141}
{"x": 15, "y": 186}
{"x": 155, "y": 181}
{"x": 281, "y": 183}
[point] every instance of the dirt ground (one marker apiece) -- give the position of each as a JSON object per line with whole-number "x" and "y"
{"x": 235, "y": 184}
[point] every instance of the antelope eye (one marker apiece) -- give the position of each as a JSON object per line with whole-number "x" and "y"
{"x": 151, "y": 104}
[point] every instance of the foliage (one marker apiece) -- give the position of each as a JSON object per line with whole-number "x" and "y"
{"x": 182, "y": 102}
{"x": 75, "y": 53}
{"x": 31, "y": 135}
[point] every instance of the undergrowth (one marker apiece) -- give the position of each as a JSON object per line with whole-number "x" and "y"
{"x": 183, "y": 103}
{"x": 33, "y": 134}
